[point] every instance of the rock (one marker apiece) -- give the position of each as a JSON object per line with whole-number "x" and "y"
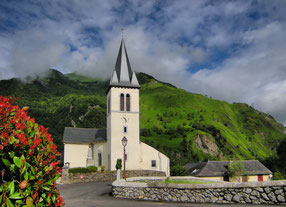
{"x": 260, "y": 190}
{"x": 264, "y": 196}
{"x": 214, "y": 199}
{"x": 272, "y": 197}
{"x": 267, "y": 190}
{"x": 184, "y": 198}
{"x": 247, "y": 200}
{"x": 280, "y": 198}
{"x": 228, "y": 197}
{"x": 279, "y": 192}
{"x": 254, "y": 193}
{"x": 236, "y": 198}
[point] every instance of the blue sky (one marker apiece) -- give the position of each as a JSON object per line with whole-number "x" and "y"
{"x": 230, "y": 50}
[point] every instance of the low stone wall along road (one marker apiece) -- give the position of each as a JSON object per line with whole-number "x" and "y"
{"x": 98, "y": 194}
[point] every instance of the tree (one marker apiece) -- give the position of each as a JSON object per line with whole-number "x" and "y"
{"x": 235, "y": 169}
{"x": 178, "y": 170}
{"x": 28, "y": 164}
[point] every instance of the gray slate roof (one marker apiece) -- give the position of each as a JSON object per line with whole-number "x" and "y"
{"x": 83, "y": 135}
{"x": 123, "y": 74}
{"x": 219, "y": 168}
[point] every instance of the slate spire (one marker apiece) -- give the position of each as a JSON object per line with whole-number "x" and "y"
{"x": 123, "y": 74}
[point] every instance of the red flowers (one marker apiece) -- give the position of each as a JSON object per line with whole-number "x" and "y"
{"x": 30, "y": 149}
{"x": 23, "y": 184}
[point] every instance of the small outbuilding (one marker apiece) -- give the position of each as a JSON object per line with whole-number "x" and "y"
{"x": 218, "y": 170}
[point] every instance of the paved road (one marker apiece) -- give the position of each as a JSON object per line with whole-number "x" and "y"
{"x": 98, "y": 195}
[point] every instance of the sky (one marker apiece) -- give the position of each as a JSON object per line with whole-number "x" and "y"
{"x": 229, "y": 50}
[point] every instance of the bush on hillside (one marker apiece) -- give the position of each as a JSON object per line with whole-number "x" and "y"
{"x": 28, "y": 164}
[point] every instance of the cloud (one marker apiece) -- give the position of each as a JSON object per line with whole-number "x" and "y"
{"x": 231, "y": 50}
{"x": 256, "y": 76}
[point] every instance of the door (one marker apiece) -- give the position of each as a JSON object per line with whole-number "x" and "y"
{"x": 260, "y": 177}
{"x": 244, "y": 178}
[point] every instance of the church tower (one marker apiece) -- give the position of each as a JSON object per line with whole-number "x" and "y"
{"x": 123, "y": 113}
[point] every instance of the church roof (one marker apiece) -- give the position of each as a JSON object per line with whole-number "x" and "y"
{"x": 80, "y": 135}
{"x": 219, "y": 168}
{"x": 123, "y": 75}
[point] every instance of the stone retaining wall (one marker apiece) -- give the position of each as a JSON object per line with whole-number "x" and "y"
{"x": 251, "y": 192}
{"x": 104, "y": 176}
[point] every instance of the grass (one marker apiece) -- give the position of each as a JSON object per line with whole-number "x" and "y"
{"x": 194, "y": 182}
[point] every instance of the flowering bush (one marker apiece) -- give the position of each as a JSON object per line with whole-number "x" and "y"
{"x": 28, "y": 160}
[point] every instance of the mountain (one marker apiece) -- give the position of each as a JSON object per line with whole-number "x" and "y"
{"x": 185, "y": 126}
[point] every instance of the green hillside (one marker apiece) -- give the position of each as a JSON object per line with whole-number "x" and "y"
{"x": 183, "y": 125}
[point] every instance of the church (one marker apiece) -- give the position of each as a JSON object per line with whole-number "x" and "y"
{"x": 102, "y": 147}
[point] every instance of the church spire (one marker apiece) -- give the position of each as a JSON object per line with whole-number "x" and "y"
{"x": 123, "y": 74}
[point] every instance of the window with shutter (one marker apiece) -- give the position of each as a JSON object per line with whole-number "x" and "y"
{"x": 127, "y": 102}
{"x": 122, "y": 102}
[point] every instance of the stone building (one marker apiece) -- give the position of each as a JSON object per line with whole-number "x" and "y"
{"x": 84, "y": 147}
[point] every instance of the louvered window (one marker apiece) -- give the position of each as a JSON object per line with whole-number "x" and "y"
{"x": 127, "y": 102}
{"x": 122, "y": 102}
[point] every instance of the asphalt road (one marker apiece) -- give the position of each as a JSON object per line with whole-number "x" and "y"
{"x": 99, "y": 194}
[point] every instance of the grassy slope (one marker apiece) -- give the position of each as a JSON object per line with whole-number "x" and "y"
{"x": 244, "y": 132}
{"x": 172, "y": 117}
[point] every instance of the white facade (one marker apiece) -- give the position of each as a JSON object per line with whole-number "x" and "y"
{"x": 122, "y": 121}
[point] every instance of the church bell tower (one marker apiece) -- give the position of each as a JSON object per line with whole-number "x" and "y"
{"x": 123, "y": 113}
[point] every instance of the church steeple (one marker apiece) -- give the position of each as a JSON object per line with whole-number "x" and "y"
{"x": 123, "y": 74}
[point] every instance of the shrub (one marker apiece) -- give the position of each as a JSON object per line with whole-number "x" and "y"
{"x": 92, "y": 168}
{"x": 102, "y": 168}
{"x": 118, "y": 165}
{"x": 29, "y": 166}
{"x": 79, "y": 170}
{"x": 178, "y": 170}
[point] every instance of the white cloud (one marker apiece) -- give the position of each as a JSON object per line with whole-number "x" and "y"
{"x": 240, "y": 43}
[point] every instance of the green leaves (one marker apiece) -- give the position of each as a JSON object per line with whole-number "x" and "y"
{"x": 16, "y": 196}
{"x": 6, "y": 162}
{"x": 17, "y": 162}
{"x": 9, "y": 203}
{"x": 11, "y": 187}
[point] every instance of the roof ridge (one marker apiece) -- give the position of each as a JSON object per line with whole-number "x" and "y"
{"x": 84, "y": 128}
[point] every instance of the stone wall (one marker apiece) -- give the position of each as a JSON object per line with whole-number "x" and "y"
{"x": 104, "y": 176}
{"x": 251, "y": 193}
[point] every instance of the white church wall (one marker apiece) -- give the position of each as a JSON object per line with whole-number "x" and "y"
{"x": 75, "y": 154}
{"x": 117, "y": 120}
{"x": 100, "y": 148}
{"x": 148, "y": 153}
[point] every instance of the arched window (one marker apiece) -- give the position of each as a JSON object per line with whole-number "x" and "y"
{"x": 99, "y": 159}
{"x": 127, "y": 102}
{"x": 122, "y": 102}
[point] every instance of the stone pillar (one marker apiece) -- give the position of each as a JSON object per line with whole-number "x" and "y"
{"x": 118, "y": 174}
{"x": 65, "y": 174}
